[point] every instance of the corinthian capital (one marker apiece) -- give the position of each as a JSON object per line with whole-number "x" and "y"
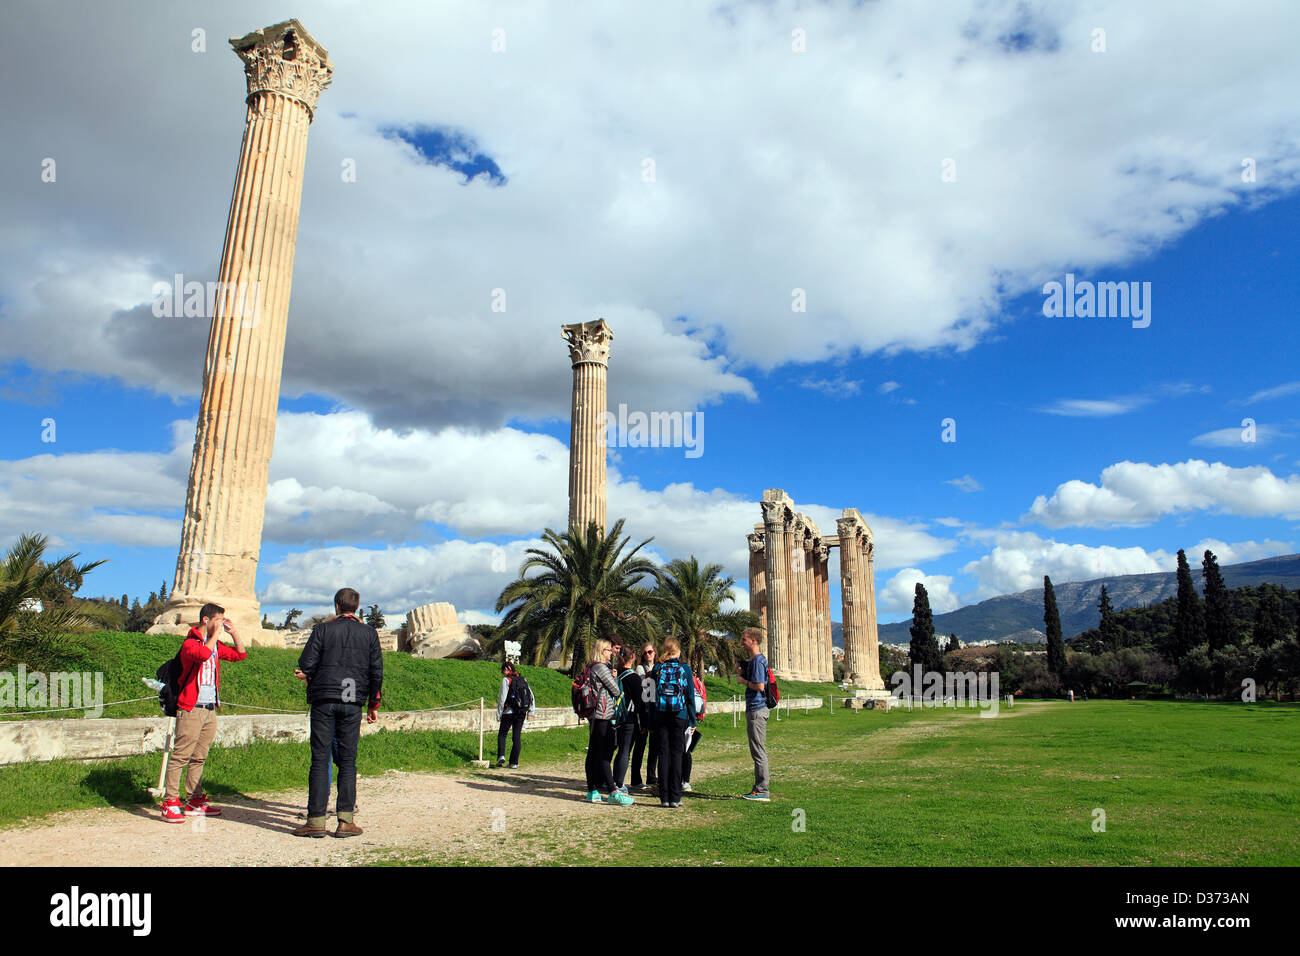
{"x": 757, "y": 544}
{"x": 285, "y": 59}
{"x": 588, "y": 341}
{"x": 774, "y": 514}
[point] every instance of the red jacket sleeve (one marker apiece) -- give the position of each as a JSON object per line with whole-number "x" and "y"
{"x": 194, "y": 653}
{"x": 227, "y": 653}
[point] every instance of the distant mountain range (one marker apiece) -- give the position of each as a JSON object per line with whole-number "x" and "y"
{"x": 1019, "y": 617}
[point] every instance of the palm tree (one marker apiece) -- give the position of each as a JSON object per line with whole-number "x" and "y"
{"x": 584, "y": 587}
{"x": 38, "y": 637}
{"x": 690, "y": 600}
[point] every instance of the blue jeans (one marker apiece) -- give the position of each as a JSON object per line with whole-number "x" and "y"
{"x": 336, "y": 727}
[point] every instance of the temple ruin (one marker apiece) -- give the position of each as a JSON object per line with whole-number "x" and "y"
{"x": 789, "y": 590}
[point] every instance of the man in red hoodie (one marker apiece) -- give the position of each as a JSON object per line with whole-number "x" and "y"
{"x": 196, "y": 711}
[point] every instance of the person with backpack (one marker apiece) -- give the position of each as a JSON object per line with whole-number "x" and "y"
{"x": 756, "y": 677}
{"x": 630, "y": 717}
{"x": 672, "y": 712}
{"x": 343, "y": 667}
{"x": 597, "y": 694}
{"x": 693, "y": 733}
{"x": 644, "y": 733}
{"x": 515, "y": 704}
{"x": 198, "y": 679}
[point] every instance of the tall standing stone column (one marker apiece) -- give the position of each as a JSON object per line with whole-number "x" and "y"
{"x": 867, "y": 568}
{"x": 221, "y": 534}
{"x": 825, "y": 638}
{"x": 758, "y": 584}
{"x": 775, "y": 512}
{"x": 857, "y": 590}
{"x": 812, "y": 665}
{"x": 799, "y": 612}
{"x": 589, "y": 352}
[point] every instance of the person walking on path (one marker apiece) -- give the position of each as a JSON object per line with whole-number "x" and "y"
{"x": 672, "y": 712}
{"x": 753, "y": 674}
{"x": 515, "y": 704}
{"x": 201, "y": 655}
{"x": 600, "y": 742}
{"x": 342, "y": 665}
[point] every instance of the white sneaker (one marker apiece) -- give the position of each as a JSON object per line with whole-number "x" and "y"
{"x": 686, "y": 788}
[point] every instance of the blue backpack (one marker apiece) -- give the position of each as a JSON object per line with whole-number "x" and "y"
{"x": 670, "y": 692}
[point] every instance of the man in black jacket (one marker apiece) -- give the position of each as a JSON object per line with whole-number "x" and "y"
{"x": 343, "y": 666}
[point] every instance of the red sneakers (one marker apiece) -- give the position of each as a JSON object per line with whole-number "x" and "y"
{"x": 171, "y": 811}
{"x": 199, "y": 807}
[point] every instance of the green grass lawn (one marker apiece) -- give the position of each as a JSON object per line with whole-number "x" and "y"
{"x": 1180, "y": 784}
{"x": 266, "y": 679}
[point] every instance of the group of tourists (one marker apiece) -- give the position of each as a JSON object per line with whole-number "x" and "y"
{"x": 642, "y": 709}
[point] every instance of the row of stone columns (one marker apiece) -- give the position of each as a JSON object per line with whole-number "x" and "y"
{"x": 789, "y": 590}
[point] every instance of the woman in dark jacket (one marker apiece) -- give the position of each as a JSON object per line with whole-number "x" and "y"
{"x": 630, "y": 716}
{"x": 672, "y": 712}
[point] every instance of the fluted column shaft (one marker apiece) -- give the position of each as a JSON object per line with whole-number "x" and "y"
{"x": 589, "y": 345}
{"x": 221, "y": 533}
{"x": 853, "y": 610}
{"x": 810, "y": 610}
{"x": 777, "y": 558}
{"x": 871, "y": 644}
{"x": 758, "y": 585}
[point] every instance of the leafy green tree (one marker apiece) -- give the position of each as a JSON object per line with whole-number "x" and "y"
{"x": 924, "y": 648}
{"x": 290, "y": 617}
{"x": 1109, "y": 628}
{"x": 579, "y": 587}
{"x": 1052, "y": 623}
{"x": 375, "y": 617}
{"x": 1271, "y": 623}
{"x": 689, "y": 602}
{"x": 952, "y": 645}
{"x": 36, "y": 623}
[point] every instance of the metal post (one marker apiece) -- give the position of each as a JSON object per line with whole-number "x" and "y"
{"x": 480, "y": 762}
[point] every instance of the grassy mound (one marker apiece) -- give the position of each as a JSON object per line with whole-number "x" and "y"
{"x": 265, "y": 679}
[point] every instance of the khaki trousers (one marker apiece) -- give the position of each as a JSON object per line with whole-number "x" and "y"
{"x": 194, "y": 732}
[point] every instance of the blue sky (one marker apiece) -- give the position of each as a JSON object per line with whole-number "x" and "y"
{"x": 424, "y": 473}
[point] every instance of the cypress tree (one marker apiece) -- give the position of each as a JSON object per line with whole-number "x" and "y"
{"x": 1052, "y": 624}
{"x": 953, "y": 644}
{"x": 1218, "y": 615}
{"x": 162, "y": 591}
{"x": 1109, "y": 628}
{"x": 1189, "y": 622}
{"x": 924, "y": 648}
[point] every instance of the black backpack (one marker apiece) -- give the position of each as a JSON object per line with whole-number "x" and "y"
{"x": 169, "y": 675}
{"x": 520, "y": 695}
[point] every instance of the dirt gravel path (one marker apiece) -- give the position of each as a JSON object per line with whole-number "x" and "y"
{"x": 436, "y": 813}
